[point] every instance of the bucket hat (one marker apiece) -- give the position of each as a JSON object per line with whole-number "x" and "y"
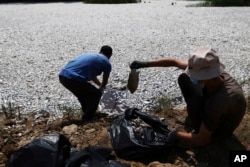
{"x": 204, "y": 63}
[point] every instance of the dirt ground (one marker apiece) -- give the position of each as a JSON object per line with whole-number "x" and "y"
{"x": 16, "y": 132}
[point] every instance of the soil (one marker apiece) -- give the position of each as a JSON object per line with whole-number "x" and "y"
{"x": 18, "y": 131}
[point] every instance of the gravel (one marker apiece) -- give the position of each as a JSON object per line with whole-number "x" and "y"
{"x": 37, "y": 40}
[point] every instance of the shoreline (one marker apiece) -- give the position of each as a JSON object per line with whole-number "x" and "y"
{"x": 39, "y": 39}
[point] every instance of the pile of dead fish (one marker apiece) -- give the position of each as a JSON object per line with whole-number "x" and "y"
{"x": 34, "y": 49}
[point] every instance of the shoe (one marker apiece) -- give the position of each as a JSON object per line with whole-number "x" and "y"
{"x": 86, "y": 119}
{"x": 100, "y": 115}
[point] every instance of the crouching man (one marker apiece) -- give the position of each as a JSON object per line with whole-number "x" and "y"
{"x": 215, "y": 101}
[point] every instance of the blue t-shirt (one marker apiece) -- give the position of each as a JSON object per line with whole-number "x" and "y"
{"x": 86, "y": 67}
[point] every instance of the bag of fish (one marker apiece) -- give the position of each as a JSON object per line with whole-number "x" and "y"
{"x": 137, "y": 135}
{"x": 133, "y": 80}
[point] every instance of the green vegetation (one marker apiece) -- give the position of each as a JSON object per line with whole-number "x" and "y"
{"x": 222, "y": 3}
{"x": 10, "y": 111}
{"x": 111, "y": 1}
{"x": 69, "y": 112}
{"x": 229, "y": 2}
{"x": 163, "y": 103}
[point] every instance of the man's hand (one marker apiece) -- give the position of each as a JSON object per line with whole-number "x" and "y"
{"x": 138, "y": 64}
{"x": 96, "y": 81}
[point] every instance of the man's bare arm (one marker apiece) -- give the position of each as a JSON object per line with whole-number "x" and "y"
{"x": 168, "y": 62}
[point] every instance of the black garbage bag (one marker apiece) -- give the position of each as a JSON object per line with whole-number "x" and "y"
{"x": 93, "y": 156}
{"x": 139, "y": 136}
{"x": 48, "y": 151}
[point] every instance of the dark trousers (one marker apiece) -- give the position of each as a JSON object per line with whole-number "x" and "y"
{"x": 88, "y": 95}
{"x": 194, "y": 100}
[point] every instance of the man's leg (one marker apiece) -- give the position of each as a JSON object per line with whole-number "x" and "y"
{"x": 188, "y": 89}
{"x": 94, "y": 96}
{"x": 77, "y": 88}
{"x": 194, "y": 100}
{"x": 88, "y": 96}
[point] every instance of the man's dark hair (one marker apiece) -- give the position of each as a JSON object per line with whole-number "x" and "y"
{"x": 106, "y": 50}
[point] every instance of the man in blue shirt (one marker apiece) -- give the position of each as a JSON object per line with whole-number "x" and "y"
{"x": 75, "y": 76}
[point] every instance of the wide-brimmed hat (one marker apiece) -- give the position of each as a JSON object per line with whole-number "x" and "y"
{"x": 203, "y": 64}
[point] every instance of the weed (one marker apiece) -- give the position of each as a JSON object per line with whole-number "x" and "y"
{"x": 69, "y": 112}
{"x": 163, "y": 103}
{"x": 11, "y": 111}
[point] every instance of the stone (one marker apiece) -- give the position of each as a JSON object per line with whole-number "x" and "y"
{"x": 70, "y": 129}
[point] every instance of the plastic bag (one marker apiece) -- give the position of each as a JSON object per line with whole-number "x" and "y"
{"x": 133, "y": 80}
{"x": 48, "y": 151}
{"x": 139, "y": 136}
{"x": 56, "y": 151}
{"x": 93, "y": 156}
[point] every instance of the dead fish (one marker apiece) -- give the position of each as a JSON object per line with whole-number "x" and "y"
{"x": 133, "y": 80}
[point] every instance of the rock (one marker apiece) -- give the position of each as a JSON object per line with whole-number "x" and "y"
{"x": 90, "y": 130}
{"x": 104, "y": 137}
{"x": 93, "y": 142}
{"x": 23, "y": 142}
{"x": 70, "y": 129}
{"x": 158, "y": 164}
